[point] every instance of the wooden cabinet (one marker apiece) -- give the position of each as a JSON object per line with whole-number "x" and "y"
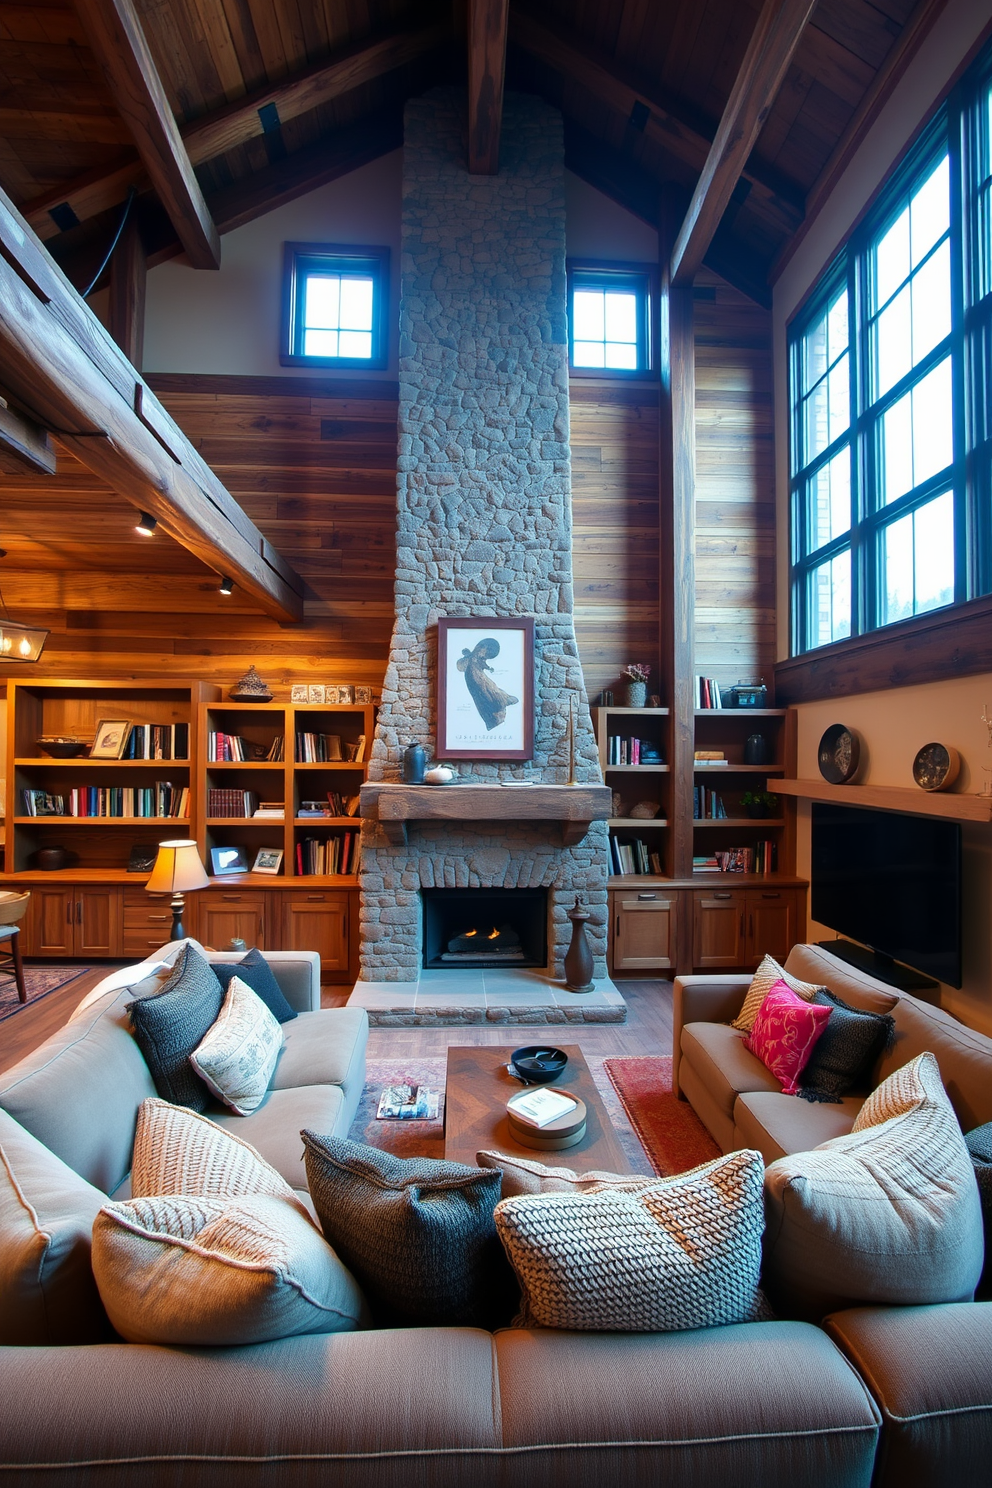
{"x": 735, "y": 928}
{"x": 223, "y": 915}
{"x": 645, "y": 930}
{"x": 718, "y": 929}
{"x": 78, "y": 920}
{"x": 99, "y": 921}
{"x": 320, "y": 921}
{"x": 772, "y": 927}
{"x": 147, "y": 922}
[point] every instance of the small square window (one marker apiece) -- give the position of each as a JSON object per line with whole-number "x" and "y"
{"x": 334, "y": 306}
{"x": 609, "y": 320}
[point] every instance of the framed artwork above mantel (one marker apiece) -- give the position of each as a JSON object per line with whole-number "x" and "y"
{"x": 485, "y": 687}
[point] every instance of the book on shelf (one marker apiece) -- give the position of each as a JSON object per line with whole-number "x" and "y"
{"x": 707, "y": 805}
{"x": 318, "y": 749}
{"x": 707, "y": 693}
{"x": 225, "y": 802}
{"x": 708, "y": 759}
{"x": 634, "y": 858}
{"x": 157, "y": 741}
{"x": 706, "y": 863}
{"x": 270, "y": 810}
{"x": 621, "y": 750}
{"x": 342, "y": 805}
{"x": 225, "y": 749}
{"x": 323, "y": 856}
{"x": 163, "y": 799}
{"x": 761, "y": 858}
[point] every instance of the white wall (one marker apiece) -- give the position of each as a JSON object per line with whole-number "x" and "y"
{"x": 596, "y": 227}
{"x": 895, "y": 723}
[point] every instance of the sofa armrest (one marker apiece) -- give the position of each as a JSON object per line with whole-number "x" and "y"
{"x": 297, "y": 972}
{"x": 704, "y": 999}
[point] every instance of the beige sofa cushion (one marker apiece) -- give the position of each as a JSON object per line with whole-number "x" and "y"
{"x": 779, "y": 1124}
{"x": 963, "y": 1055}
{"x": 274, "y": 1129}
{"x": 682, "y": 1252}
{"x": 853, "y": 986}
{"x": 888, "y": 1214}
{"x": 324, "y": 1048}
{"x": 47, "y": 1291}
{"x": 717, "y": 1054}
{"x": 212, "y": 1271}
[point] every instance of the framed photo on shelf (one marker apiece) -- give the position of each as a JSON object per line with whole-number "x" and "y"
{"x": 316, "y": 693}
{"x": 485, "y": 688}
{"x": 267, "y": 860}
{"x": 299, "y": 693}
{"x": 228, "y": 860}
{"x": 111, "y": 739}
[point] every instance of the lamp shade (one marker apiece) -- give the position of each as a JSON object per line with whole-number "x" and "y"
{"x": 21, "y": 642}
{"x": 177, "y": 869}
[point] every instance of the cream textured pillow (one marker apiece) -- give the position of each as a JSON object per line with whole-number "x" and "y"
{"x": 764, "y": 979}
{"x": 521, "y": 1175}
{"x": 178, "y": 1151}
{"x": 889, "y": 1213}
{"x": 680, "y": 1252}
{"x": 214, "y": 1271}
{"x": 236, "y": 1057}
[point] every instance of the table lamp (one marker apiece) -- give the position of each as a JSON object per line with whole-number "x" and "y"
{"x": 177, "y": 871}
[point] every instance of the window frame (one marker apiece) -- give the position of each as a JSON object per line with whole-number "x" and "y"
{"x": 302, "y": 259}
{"x": 618, "y": 274}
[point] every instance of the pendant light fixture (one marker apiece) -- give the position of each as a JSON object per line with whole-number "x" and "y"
{"x": 19, "y": 642}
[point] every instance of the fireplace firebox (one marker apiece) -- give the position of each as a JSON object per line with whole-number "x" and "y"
{"x": 465, "y": 929}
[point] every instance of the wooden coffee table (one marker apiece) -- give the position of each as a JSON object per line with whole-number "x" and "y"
{"x": 478, "y": 1089}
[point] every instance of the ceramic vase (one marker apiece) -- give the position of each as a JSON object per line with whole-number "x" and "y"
{"x": 637, "y": 694}
{"x": 578, "y": 957}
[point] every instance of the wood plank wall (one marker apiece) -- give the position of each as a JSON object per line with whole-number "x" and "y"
{"x": 735, "y": 489}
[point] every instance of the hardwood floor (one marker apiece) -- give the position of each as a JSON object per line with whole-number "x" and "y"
{"x": 648, "y": 1029}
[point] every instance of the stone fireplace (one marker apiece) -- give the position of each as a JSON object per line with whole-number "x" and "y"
{"x": 483, "y": 529}
{"x": 468, "y": 929}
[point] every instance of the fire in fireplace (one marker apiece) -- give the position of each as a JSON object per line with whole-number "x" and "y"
{"x": 465, "y": 928}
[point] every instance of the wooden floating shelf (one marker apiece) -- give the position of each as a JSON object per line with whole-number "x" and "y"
{"x": 575, "y": 807}
{"x": 893, "y": 798}
{"x": 738, "y": 821}
{"x": 638, "y": 821}
{"x": 701, "y": 768}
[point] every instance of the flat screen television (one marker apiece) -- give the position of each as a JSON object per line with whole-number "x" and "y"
{"x": 892, "y": 882}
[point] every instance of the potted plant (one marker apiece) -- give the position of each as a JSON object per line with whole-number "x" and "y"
{"x": 759, "y": 803}
{"x": 636, "y": 675}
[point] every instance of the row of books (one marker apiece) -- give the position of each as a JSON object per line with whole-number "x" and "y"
{"x": 761, "y": 858}
{"x": 160, "y": 799}
{"x": 323, "y": 749}
{"x": 634, "y": 857}
{"x": 343, "y": 805}
{"x": 154, "y": 741}
{"x": 224, "y": 802}
{"x": 324, "y": 855}
{"x": 232, "y": 749}
{"x": 707, "y": 692}
{"x": 707, "y": 805}
{"x": 623, "y": 751}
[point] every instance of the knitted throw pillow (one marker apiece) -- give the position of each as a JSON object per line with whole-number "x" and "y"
{"x": 237, "y": 1055}
{"x": 846, "y": 1050}
{"x": 417, "y": 1232}
{"x": 979, "y": 1144}
{"x": 784, "y": 1034}
{"x": 682, "y": 1252}
{"x": 764, "y": 979}
{"x": 169, "y": 1025}
{"x": 258, "y": 974}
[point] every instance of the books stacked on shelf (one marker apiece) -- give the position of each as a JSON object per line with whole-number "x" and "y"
{"x": 761, "y": 859}
{"x": 705, "y": 759}
{"x": 154, "y": 741}
{"x": 623, "y": 751}
{"x": 318, "y": 749}
{"x": 707, "y": 691}
{"x": 707, "y": 805}
{"x": 228, "y": 803}
{"x": 706, "y": 863}
{"x": 328, "y": 855}
{"x": 158, "y": 800}
{"x": 270, "y": 810}
{"x": 232, "y": 749}
{"x": 634, "y": 857}
{"x": 340, "y": 805}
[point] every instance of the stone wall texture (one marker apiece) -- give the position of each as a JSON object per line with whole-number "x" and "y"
{"x": 483, "y": 506}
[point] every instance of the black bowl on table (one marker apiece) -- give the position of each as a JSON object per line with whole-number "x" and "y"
{"x": 539, "y": 1064}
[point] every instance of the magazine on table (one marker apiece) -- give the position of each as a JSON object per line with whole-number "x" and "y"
{"x": 408, "y": 1103}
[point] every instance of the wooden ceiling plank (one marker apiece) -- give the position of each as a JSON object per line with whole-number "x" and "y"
{"x": 65, "y": 370}
{"x": 119, "y": 43}
{"x": 487, "y": 21}
{"x": 776, "y": 36}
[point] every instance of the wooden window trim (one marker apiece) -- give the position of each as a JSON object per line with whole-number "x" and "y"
{"x": 601, "y": 268}
{"x": 378, "y": 261}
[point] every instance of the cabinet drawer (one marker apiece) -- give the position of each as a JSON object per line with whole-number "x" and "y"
{"x": 147, "y": 922}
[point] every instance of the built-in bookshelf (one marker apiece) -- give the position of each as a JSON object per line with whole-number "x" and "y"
{"x": 729, "y": 764}
{"x": 633, "y": 758}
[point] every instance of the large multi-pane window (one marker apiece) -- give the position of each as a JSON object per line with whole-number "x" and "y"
{"x": 890, "y": 420}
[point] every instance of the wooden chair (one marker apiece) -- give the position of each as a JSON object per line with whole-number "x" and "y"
{"x": 12, "y": 911}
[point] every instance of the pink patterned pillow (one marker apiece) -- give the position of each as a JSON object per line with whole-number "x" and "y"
{"x": 785, "y": 1033}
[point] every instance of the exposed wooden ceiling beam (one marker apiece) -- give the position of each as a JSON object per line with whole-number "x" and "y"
{"x": 23, "y": 445}
{"x": 128, "y": 282}
{"x": 777, "y": 34}
{"x": 117, "y": 39}
{"x": 65, "y": 370}
{"x": 241, "y": 121}
{"x": 486, "y": 68}
{"x": 630, "y": 96}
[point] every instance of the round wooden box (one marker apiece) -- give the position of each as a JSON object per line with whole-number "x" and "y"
{"x": 568, "y": 1130}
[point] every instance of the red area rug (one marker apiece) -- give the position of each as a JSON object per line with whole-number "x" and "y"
{"x": 38, "y": 982}
{"x": 670, "y": 1132}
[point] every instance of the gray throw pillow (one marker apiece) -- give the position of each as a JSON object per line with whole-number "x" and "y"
{"x": 979, "y": 1144}
{"x": 169, "y": 1025}
{"x": 417, "y": 1233}
{"x": 257, "y": 974}
{"x": 845, "y": 1053}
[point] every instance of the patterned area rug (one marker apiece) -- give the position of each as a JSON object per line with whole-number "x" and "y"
{"x": 670, "y": 1131}
{"x": 38, "y": 981}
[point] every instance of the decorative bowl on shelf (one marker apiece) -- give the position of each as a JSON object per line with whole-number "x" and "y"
{"x": 51, "y": 859}
{"x": 61, "y": 746}
{"x": 538, "y": 1064}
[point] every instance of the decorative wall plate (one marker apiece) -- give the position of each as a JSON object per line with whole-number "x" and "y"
{"x": 936, "y": 767}
{"x": 839, "y": 754}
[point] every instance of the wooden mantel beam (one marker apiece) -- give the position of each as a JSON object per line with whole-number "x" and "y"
{"x": 64, "y": 369}
{"x": 117, "y": 39}
{"x": 486, "y": 67}
{"x": 773, "y": 45}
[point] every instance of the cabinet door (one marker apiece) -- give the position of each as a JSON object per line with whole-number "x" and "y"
{"x": 224, "y": 915}
{"x": 50, "y": 922}
{"x": 98, "y": 915}
{"x": 645, "y": 931}
{"x": 771, "y": 924}
{"x": 319, "y": 922}
{"x": 718, "y": 929}
{"x": 147, "y": 922}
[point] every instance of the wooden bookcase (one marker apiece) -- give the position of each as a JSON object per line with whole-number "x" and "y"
{"x": 636, "y": 783}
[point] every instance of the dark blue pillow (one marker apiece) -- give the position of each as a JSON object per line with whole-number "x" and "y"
{"x": 169, "y": 1025}
{"x": 257, "y": 974}
{"x": 846, "y": 1050}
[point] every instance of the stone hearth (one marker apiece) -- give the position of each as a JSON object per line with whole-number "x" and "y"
{"x": 444, "y": 999}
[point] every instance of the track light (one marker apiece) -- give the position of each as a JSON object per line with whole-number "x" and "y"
{"x": 227, "y": 586}
{"x": 145, "y": 524}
